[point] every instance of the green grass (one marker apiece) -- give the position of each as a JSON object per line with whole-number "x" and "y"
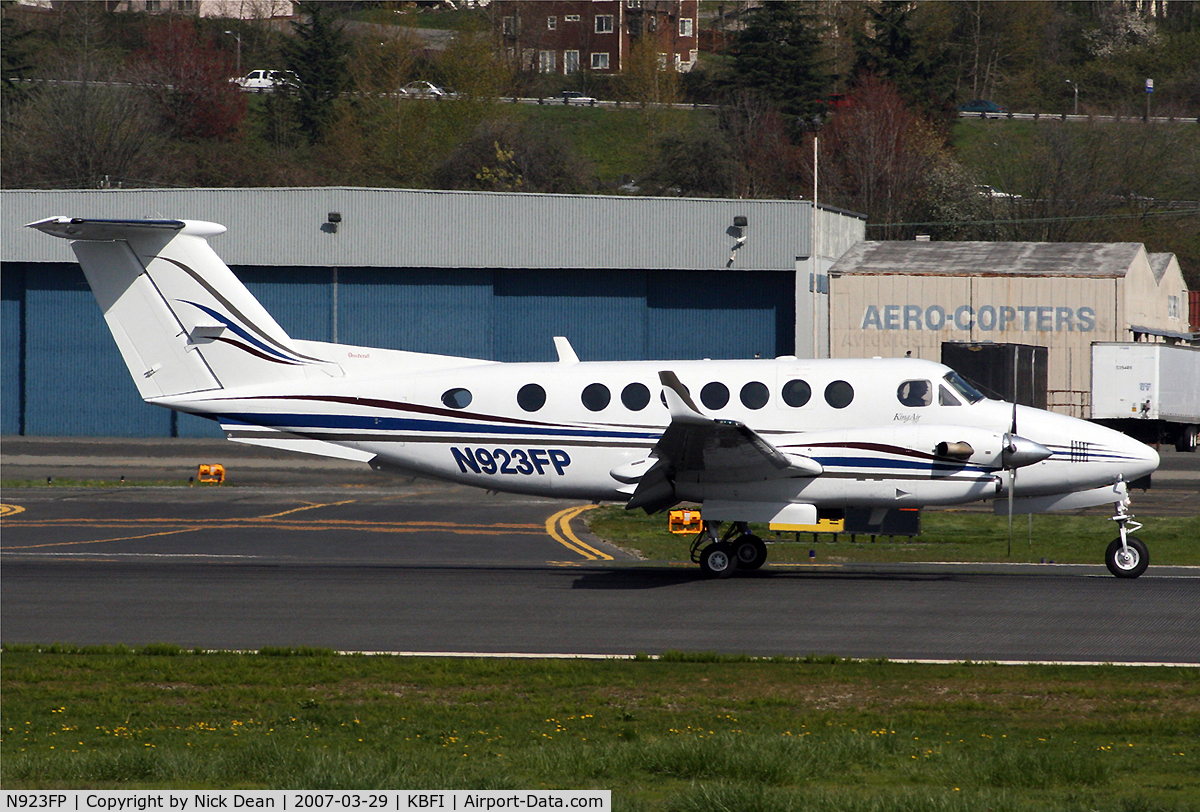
{"x": 686, "y": 732}
{"x": 945, "y": 536}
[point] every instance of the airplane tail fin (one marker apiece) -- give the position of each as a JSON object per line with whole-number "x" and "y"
{"x": 182, "y": 320}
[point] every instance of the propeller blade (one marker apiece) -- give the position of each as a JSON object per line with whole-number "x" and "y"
{"x": 1012, "y": 486}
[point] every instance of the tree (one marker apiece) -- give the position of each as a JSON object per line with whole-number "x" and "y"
{"x": 778, "y": 54}
{"x": 317, "y": 54}
{"x": 188, "y": 80}
{"x": 13, "y": 55}
{"x": 502, "y": 156}
{"x": 877, "y": 155}
{"x": 81, "y": 135}
{"x": 769, "y": 164}
{"x": 888, "y": 48}
{"x": 692, "y": 163}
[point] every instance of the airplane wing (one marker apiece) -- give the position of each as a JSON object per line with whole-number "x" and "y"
{"x": 698, "y": 448}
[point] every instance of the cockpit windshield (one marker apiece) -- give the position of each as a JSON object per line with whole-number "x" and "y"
{"x": 969, "y": 393}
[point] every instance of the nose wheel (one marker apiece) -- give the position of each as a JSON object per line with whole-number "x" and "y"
{"x": 1127, "y": 556}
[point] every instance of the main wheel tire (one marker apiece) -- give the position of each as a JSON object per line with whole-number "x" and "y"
{"x": 1127, "y": 563}
{"x": 750, "y": 552}
{"x": 718, "y": 561}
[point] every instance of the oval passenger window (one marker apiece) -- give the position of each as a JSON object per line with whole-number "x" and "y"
{"x": 839, "y": 394}
{"x": 457, "y": 398}
{"x": 531, "y": 397}
{"x": 714, "y": 395}
{"x": 796, "y": 393}
{"x": 636, "y": 396}
{"x": 595, "y": 396}
{"x": 755, "y": 395}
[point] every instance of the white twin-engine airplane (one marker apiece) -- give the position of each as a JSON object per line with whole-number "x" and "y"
{"x": 782, "y": 441}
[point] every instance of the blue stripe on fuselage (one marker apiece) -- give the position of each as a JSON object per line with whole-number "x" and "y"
{"x": 301, "y": 422}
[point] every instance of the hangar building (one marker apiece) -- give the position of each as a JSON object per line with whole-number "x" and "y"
{"x": 486, "y": 275}
{"x": 893, "y": 298}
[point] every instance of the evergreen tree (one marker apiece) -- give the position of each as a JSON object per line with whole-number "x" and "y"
{"x": 892, "y": 52}
{"x": 317, "y": 54}
{"x": 779, "y": 55}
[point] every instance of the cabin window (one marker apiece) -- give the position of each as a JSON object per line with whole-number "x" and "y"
{"x": 595, "y": 397}
{"x": 915, "y": 393}
{"x": 947, "y": 399}
{"x": 754, "y": 395}
{"x": 635, "y": 397}
{"x": 839, "y": 394}
{"x": 531, "y": 397}
{"x": 457, "y": 398}
{"x": 714, "y": 395}
{"x": 796, "y": 393}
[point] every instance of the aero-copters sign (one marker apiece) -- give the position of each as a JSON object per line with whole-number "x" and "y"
{"x": 987, "y": 318}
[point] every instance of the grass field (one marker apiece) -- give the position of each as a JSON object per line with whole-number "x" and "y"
{"x": 679, "y": 733}
{"x": 945, "y": 536}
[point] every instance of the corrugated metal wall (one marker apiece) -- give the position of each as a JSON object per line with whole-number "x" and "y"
{"x": 75, "y": 383}
{"x": 483, "y": 275}
{"x": 383, "y": 228}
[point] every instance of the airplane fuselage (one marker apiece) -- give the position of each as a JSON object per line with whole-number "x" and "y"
{"x": 562, "y": 429}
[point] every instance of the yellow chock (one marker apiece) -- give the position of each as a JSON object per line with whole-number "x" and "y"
{"x": 213, "y": 474}
{"x": 684, "y": 521}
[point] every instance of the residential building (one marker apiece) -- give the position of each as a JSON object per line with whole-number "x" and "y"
{"x": 561, "y": 36}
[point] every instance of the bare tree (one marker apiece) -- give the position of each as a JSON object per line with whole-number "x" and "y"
{"x": 82, "y": 134}
{"x": 876, "y": 155}
{"x": 188, "y": 81}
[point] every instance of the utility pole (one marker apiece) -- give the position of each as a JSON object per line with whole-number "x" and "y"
{"x": 816, "y": 339}
{"x": 237, "y": 35}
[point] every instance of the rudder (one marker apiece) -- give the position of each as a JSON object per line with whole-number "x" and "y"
{"x": 181, "y": 319}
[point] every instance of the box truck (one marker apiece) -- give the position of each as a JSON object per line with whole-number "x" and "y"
{"x": 1148, "y": 391}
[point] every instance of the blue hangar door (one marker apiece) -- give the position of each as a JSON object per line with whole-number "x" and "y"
{"x": 643, "y": 315}
{"x": 62, "y": 373}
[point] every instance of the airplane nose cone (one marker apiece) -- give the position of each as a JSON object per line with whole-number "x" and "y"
{"x": 1137, "y": 458}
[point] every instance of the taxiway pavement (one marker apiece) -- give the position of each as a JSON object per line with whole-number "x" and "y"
{"x": 321, "y": 555}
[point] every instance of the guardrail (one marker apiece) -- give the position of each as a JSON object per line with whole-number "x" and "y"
{"x": 1069, "y": 117}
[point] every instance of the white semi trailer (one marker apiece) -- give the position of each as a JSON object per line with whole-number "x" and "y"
{"x": 1148, "y": 391}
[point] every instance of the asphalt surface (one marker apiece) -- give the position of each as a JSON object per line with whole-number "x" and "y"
{"x": 302, "y": 551}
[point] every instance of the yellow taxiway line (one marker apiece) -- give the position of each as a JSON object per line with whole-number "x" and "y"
{"x": 561, "y": 521}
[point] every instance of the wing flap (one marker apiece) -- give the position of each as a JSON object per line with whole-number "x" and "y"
{"x": 696, "y": 448}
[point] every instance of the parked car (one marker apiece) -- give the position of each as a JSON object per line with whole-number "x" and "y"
{"x": 423, "y": 90}
{"x": 981, "y": 106}
{"x": 983, "y": 190}
{"x": 266, "y": 81}
{"x": 575, "y": 97}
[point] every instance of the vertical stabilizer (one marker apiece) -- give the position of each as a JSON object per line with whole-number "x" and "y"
{"x": 182, "y": 320}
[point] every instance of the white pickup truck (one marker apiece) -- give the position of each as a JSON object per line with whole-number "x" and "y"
{"x": 266, "y": 81}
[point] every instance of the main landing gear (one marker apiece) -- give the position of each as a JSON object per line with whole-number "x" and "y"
{"x": 720, "y": 556}
{"x": 1127, "y": 556}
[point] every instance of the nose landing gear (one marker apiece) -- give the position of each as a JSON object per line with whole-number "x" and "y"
{"x": 1127, "y": 556}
